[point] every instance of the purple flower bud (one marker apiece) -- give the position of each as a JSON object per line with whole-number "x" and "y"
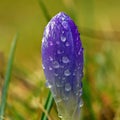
{"x": 62, "y": 57}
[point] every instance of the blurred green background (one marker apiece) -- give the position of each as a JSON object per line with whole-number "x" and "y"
{"x": 99, "y": 25}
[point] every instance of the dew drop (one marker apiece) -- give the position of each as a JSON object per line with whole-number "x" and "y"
{"x": 57, "y": 99}
{"x": 79, "y": 92}
{"x": 51, "y": 43}
{"x": 67, "y": 44}
{"x": 65, "y": 59}
{"x": 80, "y": 103}
{"x": 57, "y": 42}
{"x": 63, "y": 38}
{"x": 77, "y": 38}
{"x": 48, "y": 85}
{"x": 67, "y": 73}
{"x": 45, "y": 42}
{"x": 51, "y": 59}
{"x": 63, "y": 78}
{"x": 73, "y": 73}
{"x": 79, "y": 52}
{"x": 59, "y": 52}
{"x": 65, "y": 25}
{"x": 81, "y": 75}
{"x": 67, "y": 87}
{"x": 47, "y": 32}
{"x": 56, "y": 74}
{"x": 66, "y": 98}
{"x": 63, "y": 18}
{"x": 53, "y": 93}
{"x": 52, "y": 25}
{"x": 50, "y": 68}
{"x": 56, "y": 64}
{"x": 59, "y": 83}
{"x": 43, "y": 66}
{"x": 60, "y": 116}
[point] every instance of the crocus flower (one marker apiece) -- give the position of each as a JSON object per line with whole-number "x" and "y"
{"x": 62, "y": 58}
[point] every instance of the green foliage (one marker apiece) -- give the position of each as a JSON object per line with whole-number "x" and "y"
{"x": 45, "y": 12}
{"x": 7, "y": 78}
{"x": 48, "y": 105}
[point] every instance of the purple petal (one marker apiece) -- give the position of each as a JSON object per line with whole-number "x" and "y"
{"x": 62, "y": 57}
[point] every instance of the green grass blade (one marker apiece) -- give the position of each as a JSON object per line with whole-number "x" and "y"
{"x": 7, "y": 78}
{"x": 48, "y": 105}
{"x": 86, "y": 89}
{"x": 87, "y": 98}
{"x": 45, "y": 11}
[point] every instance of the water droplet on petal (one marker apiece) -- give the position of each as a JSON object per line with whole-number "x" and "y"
{"x": 45, "y": 42}
{"x": 59, "y": 52}
{"x": 56, "y": 74}
{"x": 59, "y": 83}
{"x": 52, "y": 25}
{"x": 66, "y": 98}
{"x": 58, "y": 99}
{"x": 51, "y": 59}
{"x": 65, "y": 25}
{"x": 77, "y": 38}
{"x": 57, "y": 42}
{"x": 53, "y": 93}
{"x": 43, "y": 66}
{"x": 60, "y": 116}
{"x": 67, "y": 87}
{"x": 74, "y": 73}
{"x": 79, "y": 91}
{"x": 48, "y": 85}
{"x": 63, "y": 18}
{"x": 56, "y": 64}
{"x": 79, "y": 52}
{"x": 67, "y": 73}
{"x": 65, "y": 59}
{"x": 63, "y": 38}
{"x": 51, "y": 43}
{"x": 67, "y": 44}
{"x": 47, "y": 32}
{"x": 81, "y": 103}
{"x": 63, "y": 78}
{"x": 50, "y": 68}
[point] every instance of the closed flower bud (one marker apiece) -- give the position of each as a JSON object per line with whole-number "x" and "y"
{"x": 62, "y": 58}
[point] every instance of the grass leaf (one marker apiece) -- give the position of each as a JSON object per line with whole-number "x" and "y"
{"x": 48, "y": 105}
{"x": 44, "y": 9}
{"x": 87, "y": 98}
{"x": 7, "y": 78}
